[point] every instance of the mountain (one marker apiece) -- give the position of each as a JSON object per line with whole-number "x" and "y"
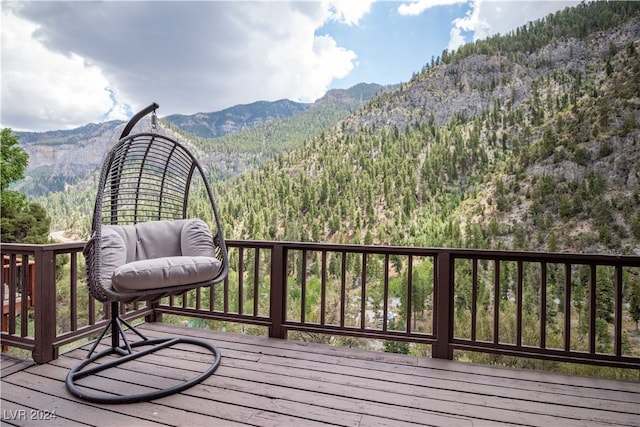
{"x": 242, "y": 117}
{"x": 61, "y": 158}
{"x": 236, "y": 118}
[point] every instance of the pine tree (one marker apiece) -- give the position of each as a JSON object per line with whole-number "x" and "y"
{"x": 22, "y": 221}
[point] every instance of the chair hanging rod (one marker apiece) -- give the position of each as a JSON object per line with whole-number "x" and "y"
{"x": 135, "y": 119}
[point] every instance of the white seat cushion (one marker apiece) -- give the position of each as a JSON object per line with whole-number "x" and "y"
{"x": 164, "y": 272}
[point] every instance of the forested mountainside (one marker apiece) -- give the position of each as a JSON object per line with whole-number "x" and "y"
{"x": 524, "y": 141}
{"x": 535, "y": 147}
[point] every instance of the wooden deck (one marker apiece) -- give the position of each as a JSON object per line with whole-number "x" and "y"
{"x": 271, "y": 382}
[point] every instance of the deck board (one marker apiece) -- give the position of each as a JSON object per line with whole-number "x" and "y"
{"x": 10, "y": 365}
{"x": 271, "y": 382}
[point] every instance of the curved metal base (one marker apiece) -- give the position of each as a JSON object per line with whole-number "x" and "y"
{"x": 155, "y": 345}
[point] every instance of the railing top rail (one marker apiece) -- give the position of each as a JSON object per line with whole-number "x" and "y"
{"x": 338, "y": 247}
{"x": 30, "y": 247}
{"x": 551, "y": 257}
{"x": 559, "y": 257}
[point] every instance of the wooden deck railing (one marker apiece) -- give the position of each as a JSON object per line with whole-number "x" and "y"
{"x": 560, "y": 307}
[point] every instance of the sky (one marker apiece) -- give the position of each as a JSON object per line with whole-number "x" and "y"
{"x": 65, "y": 64}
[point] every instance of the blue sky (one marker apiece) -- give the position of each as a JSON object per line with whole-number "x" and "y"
{"x": 390, "y": 46}
{"x": 69, "y": 63}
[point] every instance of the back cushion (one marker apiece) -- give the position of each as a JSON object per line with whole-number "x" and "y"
{"x": 113, "y": 254}
{"x": 154, "y": 239}
{"x": 196, "y": 239}
{"x": 158, "y": 239}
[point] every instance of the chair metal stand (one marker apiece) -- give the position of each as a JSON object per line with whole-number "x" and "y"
{"x": 127, "y": 354}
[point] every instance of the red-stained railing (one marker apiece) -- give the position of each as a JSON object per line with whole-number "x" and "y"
{"x": 560, "y": 307}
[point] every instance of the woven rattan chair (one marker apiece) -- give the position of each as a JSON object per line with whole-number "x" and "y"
{"x": 148, "y": 242}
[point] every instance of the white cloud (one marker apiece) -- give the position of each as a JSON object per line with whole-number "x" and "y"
{"x": 419, "y": 6}
{"x": 456, "y": 39}
{"x": 471, "y": 22}
{"x": 485, "y": 18}
{"x": 43, "y": 89}
{"x": 69, "y": 63}
{"x": 503, "y": 16}
{"x": 349, "y": 12}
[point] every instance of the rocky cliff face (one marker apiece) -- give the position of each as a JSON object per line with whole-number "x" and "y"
{"x": 60, "y": 158}
{"x": 69, "y": 153}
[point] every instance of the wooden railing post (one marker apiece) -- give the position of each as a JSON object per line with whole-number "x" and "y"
{"x": 277, "y": 295}
{"x": 156, "y": 316}
{"x": 45, "y": 305}
{"x": 443, "y": 307}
